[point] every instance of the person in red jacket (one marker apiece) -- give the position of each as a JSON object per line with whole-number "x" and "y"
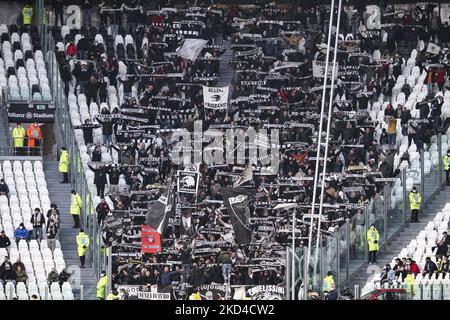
{"x": 440, "y": 78}
{"x": 71, "y": 49}
{"x": 412, "y": 266}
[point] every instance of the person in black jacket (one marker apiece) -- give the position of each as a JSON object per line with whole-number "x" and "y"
{"x": 99, "y": 179}
{"x": 88, "y": 129}
{"x": 84, "y": 77}
{"x": 38, "y": 221}
{"x": 4, "y": 189}
{"x": 430, "y": 267}
{"x": 128, "y": 83}
{"x": 63, "y": 276}
{"x": 96, "y": 155}
{"x": 102, "y": 89}
{"x": 83, "y": 48}
{"x": 4, "y": 240}
{"x": 66, "y": 77}
{"x": 52, "y": 232}
{"x": 107, "y": 126}
{"x": 424, "y": 109}
{"x": 185, "y": 251}
{"x": 8, "y": 275}
{"x": 53, "y": 213}
{"x": 102, "y": 210}
{"x": 114, "y": 176}
{"x": 92, "y": 91}
{"x": 333, "y": 294}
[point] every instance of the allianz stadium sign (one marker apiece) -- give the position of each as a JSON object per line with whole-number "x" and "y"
{"x": 24, "y": 113}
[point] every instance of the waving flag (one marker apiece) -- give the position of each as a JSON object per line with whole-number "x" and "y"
{"x": 191, "y": 48}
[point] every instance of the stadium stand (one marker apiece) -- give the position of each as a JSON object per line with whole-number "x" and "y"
{"x": 128, "y": 90}
{"x": 22, "y": 179}
{"x": 22, "y": 68}
{"x": 376, "y": 94}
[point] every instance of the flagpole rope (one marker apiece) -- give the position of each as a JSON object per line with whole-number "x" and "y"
{"x": 319, "y": 143}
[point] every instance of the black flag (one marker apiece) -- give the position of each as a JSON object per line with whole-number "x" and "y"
{"x": 156, "y": 213}
{"x": 237, "y": 201}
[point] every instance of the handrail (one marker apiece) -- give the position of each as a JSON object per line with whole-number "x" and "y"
{"x": 78, "y": 178}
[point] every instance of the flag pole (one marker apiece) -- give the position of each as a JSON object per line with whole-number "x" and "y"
{"x": 293, "y": 257}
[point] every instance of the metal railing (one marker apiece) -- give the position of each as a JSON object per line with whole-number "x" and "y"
{"x": 345, "y": 253}
{"x": 88, "y": 216}
{"x": 7, "y": 147}
{"x": 7, "y": 97}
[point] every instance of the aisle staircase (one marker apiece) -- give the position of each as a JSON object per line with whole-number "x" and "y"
{"x": 403, "y": 239}
{"x": 60, "y": 195}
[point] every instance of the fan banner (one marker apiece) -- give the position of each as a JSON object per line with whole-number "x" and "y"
{"x": 150, "y": 240}
{"x": 319, "y": 69}
{"x": 188, "y": 181}
{"x": 215, "y": 97}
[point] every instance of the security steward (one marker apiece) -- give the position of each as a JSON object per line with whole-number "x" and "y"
{"x": 64, "y": 165}
{"x": 18, "y": 138}
{"x": 27, "y": 14}
{"x": 415, "y": 200}
{"x": 83, "y": 243}
{"x": 75, "y": 208}
{"x": 34, "y": 135}
{"x": 373, "y": 237}
{"x": 446, "y": 161}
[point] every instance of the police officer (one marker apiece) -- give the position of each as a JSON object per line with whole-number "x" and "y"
{"x": 415, "y": 199}
{"x": 83, "y": 244}
{"x": 373, "y": 237}
{"x": 446, "y": 160}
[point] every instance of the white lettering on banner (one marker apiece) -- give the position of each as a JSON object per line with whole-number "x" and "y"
{"x": 238, "y": 199}
{"x": 153, "y": 296}
{"x": 374, "y": 19}
{"x": 319, "y": 69}
{"x": 73, "y": 19}
{"x": 215, "y": 97}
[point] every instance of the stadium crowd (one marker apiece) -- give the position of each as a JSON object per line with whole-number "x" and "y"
{"x": 278, "y": 62}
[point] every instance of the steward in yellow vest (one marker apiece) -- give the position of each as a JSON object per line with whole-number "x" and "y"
{"x": 446, "y": 161}
{"x": 415, "y": 200}
{"x": 373, "y": 237}
{"x": 27, "y": 14}
{"x": 83, "y": 243}
{"x": 75, "y": 208}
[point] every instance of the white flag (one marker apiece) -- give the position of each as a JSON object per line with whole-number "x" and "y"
{"x": 215, "y": 97}
{"x": 191, "y": 48}
{"x": 319, "y": 69}
{"x": 433, "y": 49}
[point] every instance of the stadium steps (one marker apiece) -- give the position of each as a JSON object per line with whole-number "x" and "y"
{"x": 5, "y": 145}
{"x": 402, "y": 240}
{"x": 60, "y": 195}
